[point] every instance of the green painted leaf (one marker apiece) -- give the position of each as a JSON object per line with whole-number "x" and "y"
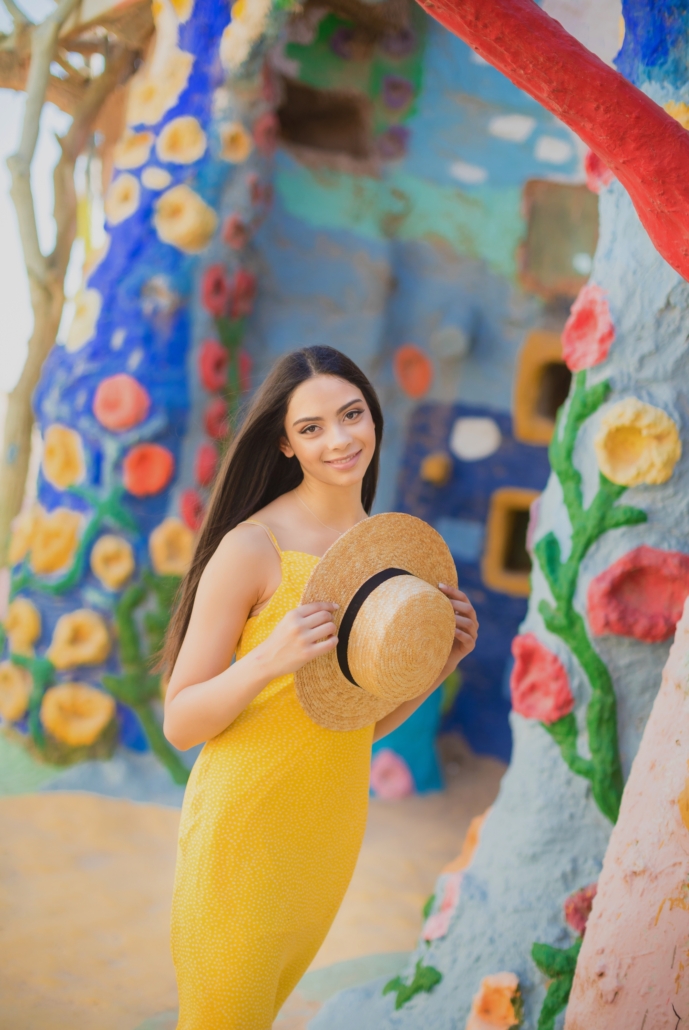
{"x": 425, "y": 979}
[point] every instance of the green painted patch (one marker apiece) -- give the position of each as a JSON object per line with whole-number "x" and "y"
{"x": 424, "y": 980}
{"x": 20, "y": 772}
{"x": 559, "y": 966}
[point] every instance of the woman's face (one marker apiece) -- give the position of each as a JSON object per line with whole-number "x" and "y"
{"x": 330, "y": 431}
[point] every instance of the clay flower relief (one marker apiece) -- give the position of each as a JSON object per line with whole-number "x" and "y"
{"x": 243, "y": 288}
{"x": 76, "y": 714}
{"x": 589, "y": 330}
{"x": 80, "y": 638}
{"x": 155, "y": 90}
{"x": 498, "y": 1004}
{"x": 147, "y": 469}
{"x": 155, "y": 178}
{"x": 133, "y": 149}
{"x": 112, "y": 561}
{"x": 438, "y": 923}
{"x": 206, "y": 463}
{"x": 171, "y": 546}
{"x": 216, "y": 295}
{"x": 122, "y": 198}
{"x": 249, "y": 20}
{"x": 539, "y": 682}
{"x": 22, "y": 625}
{"x": 213, "y": 363}
{"x": 391, "y": 778}
{"x": 15, "y": 691}
{"x": 215, "y": 419}
{"x": 23, "y": 531}
{"x": 235, "y": 142}
{"x": 63, "y": 456}
{"x": 182, "y": 141}
{"x": 577, "y": 908}
{"x": 87, "y": 305}
{"x": 598, "y": 175}
{"x": 121, "y": 402}
{"x": 184, "y": 220}
{"x": 192, "y": 508}
{"x": 637, "y": 443}
{"x": 54, "y": 540}
{"x": 235, "y": 232}
{"x": 641, "y": 595}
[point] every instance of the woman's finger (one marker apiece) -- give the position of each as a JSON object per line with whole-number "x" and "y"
{"x": 323, "y": 646}
{"x": 466, "y": 624}
{"x": 465, "y": 637}
{"x": 317, "y": 619}
{"x": 328, "y": 629}
{"x": 453, "y": 592}
{"x": 463, "y": 607}
{"x": 316, "y": 606}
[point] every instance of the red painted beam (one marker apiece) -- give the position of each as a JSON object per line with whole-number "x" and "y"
{"x": 646, "y": 149}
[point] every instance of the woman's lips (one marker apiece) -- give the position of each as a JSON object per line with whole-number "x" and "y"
{"x": 347, "y": 462}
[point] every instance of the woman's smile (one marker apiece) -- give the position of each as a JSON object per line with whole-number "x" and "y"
{"x": 348, "y": 462}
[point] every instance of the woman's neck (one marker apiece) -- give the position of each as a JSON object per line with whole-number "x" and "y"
{"x": 335, "y": 508}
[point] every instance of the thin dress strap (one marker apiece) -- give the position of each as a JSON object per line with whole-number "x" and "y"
{"x": 253, "y": 522}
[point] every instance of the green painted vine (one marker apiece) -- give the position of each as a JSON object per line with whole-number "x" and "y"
{"x": 559, "y": 966}
{"x": 603, "y": 769}
{"x": 424, "y": 980}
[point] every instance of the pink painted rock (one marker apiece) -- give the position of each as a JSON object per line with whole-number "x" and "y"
{"x": 597, "y": 172}
{"x": 641, "y": 595}
{"x": 589, "y": 330}
{"x": 391, "y": 777}
{"x": 120, "y": 403}
{"x": 632, "y": 966}
{"x": 539, "y": 681}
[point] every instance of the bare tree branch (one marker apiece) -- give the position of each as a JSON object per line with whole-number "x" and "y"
{"x": 16, "y": 13}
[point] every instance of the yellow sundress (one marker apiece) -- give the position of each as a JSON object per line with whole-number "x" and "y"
{"x": 272, "y": 823}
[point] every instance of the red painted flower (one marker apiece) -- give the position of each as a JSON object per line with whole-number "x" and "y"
{"x": 589, "y": 330}
{"x": 243, "y": 293}
{"x": 215, "y": 291}
{"x": 413, "y": 370}
{"x": 147, "y": 469}
{"x": 213, "y": 361}
{"x": 597, "y": 172}
{"x": 192, "y": 509}
{"x": 245, "y": 368}
{"x": 215, "y": 419}
{"x": 235, "y": 232}
{"x": 577, "y": 907}
{"x": 539, "y": 681}
{"x": 641, "y": 595}
{"x": 266, "y": 133}
{"x": 206, "y": 464}
{"x": 120, "y": 403}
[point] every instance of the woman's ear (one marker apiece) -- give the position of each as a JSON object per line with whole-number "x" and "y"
{"x": 285, "y": 447}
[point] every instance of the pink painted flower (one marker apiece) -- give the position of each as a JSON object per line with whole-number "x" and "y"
{"x": 206, "y": 464}
{"x": 589, "y": 330}
{"x": 597, "y": 172}
{"x": 215, "y": 291}
{"x": 192, "y": 509}
{"x": 213, "y": 362}
{"x": 235, "y": 232}
{"x": 245, "y": 369}
{"x": 577, "y": 907}
{"x": 121, "y": 402}
{"x": 266, "y": 133}
{"x": 539, "y": 681}
{"x": 437, "y": 924}
{"x": 641, "y": 595}
{"x": 215, "y": 419}
{"x": 391, "y": 777}
{"x": 243, "y": 293}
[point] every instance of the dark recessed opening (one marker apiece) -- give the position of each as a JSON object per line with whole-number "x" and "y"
{"x": 553, "y": 389}
{"x": 516, "y": 555}
{"x": 325, "y": 120}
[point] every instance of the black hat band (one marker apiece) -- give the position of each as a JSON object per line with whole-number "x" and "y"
{"x": 351, "y": 612}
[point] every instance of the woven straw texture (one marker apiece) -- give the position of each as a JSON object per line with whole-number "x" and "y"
{"x": 403, "y": 633}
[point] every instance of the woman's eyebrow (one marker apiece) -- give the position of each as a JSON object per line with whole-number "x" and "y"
{"x": 319, "y": 418}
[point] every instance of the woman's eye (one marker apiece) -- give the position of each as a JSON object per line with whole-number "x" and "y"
{"x": 351, "y": 415}
{"x": 308, "y": 429}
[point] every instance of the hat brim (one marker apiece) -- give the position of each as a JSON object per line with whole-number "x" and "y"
{"x": 383, "y": 541}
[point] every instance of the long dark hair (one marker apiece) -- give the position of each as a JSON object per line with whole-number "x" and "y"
{"x": 254, "y": 470}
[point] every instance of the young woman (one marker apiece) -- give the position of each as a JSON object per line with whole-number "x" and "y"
{"x": 276, "y": 805}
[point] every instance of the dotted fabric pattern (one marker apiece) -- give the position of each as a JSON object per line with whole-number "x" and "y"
{"x": 272, "y": 823}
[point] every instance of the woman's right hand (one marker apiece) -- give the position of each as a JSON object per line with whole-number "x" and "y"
{"x": 304, "y": 633}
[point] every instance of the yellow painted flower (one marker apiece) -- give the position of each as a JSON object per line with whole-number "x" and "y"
{"x": 80, "y": 638}
{"x": 63, "y": 456}
{"x": 156, "y": 89}
{"x": 235, "y": 142}
{"x": 95, "y": 257}
{"x": 23, "y": 625}
{"x": 494, "y": 1007}
{"x": 637, "y": 443}
{"x": 87, "y": 305}
{"x": 679, "y": 111}
{"x": 183, "y": 9}
{"x": 184, "y": 220}
{"x": 112, "y": 561}
{"x": 23, "y": 531}
{"x": 171, "y": 546}
{"x": 122, "y": 198}
{"x": 249, "y": 22}
{"x": 182, "y": 141}
{"x": 155, "y": 178}
{"x": 15, "y": 691}
{"x": 55, "y": 540}
{"x": 76, "y": 714}
{"x": 133, "y": 149}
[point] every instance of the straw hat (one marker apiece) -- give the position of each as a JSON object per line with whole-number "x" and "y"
{"x": 395, "y": 628}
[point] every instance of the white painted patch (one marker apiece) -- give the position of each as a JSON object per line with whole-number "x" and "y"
{"x": 117, "y": 339}
{"x": 474, "y": 438}
{"x": 513, "y": 127}
{"x": 582, "y": 263}
{"x": 553, "y": 150}
{"x": 135, "y": 359}
{"x": 471, "y": 174}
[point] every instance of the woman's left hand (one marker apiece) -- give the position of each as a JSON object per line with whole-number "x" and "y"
{"x": 466, "y": 627}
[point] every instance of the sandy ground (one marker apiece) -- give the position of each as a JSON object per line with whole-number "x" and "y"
{"x": 85, "y": 886}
